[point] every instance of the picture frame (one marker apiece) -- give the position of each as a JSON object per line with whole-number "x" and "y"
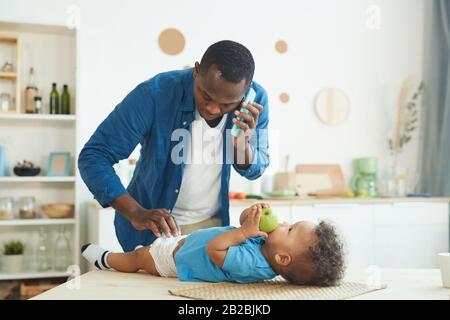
{"x": 59, "y": 164}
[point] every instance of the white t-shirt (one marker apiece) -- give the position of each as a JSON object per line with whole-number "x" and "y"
{"x": 199, "y": 194}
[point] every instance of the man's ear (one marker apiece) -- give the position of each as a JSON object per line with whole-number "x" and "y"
{"x": 283, "y": 259}
{"x": 196, "y": 69}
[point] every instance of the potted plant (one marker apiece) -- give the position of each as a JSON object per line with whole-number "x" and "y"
{"x": 12, "y": 259}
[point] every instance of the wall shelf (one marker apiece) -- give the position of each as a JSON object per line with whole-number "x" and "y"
{"x": 8, "y": 75}
{"x": 37, "y": 179}
{"x": 40, "y": 117}
{"x": 35, "y": 222}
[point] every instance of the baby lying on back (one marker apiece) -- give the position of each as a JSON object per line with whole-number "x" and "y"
{"x": 303, "y": 253}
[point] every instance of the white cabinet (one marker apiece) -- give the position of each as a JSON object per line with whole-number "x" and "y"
{"x": 406, "y": 234}
{"x": 101, "y": 230}
{"x": 354, "y": 223}
{"x": 389, "y": 235}
{"x": 303, "y": 212}
{"x": 410, "y": 235}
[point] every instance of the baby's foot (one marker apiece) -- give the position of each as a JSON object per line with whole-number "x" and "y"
{"x": 96, "y": 255}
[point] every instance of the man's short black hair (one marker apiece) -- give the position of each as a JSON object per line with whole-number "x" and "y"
{"x": 233, "y": 60}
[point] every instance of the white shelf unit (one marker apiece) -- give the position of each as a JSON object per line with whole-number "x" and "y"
{"x": 51, "y": 51}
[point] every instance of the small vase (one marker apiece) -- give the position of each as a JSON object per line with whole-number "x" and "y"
{"x": 388, "y": 187}
{"x": 401, "y": 178}
{"x": 396, "y": 179}
{"x": 12, "y": 263}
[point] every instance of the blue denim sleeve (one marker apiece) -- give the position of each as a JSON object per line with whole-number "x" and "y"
{"x": 114, "y": 140}
{"x": 259, "y": 144}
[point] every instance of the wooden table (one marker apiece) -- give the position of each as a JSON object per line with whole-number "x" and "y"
{"x": 7, "y": 290}
{"x": 422, "y": 284}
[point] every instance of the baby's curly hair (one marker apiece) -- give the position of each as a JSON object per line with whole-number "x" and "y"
{"x": 327, "y": 256}
{"x": 324, "y": 263}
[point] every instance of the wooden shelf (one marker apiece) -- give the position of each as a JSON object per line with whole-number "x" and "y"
{"x": 6, "y": 38}
{"x": 8, "y": 75}
{"x": 40, "y": 117}
{"x": 37, "y": 179}
{"x": 35, "y": 222}
{"x": 33, "y": 275}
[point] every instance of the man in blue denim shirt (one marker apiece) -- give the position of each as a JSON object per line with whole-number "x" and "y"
{"x": 163, "y": 187}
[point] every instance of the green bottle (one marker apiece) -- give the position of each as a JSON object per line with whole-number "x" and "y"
{"x": 54, "y": 100}
{"x": 65, "y": 100}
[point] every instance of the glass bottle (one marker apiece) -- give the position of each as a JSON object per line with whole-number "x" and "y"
{"x": 43, "y": 253}
{"x": 6, "y": 208}
{"x": 54, "y": 100}
{"x": 63, "y": 253}
{"x": 5, "y": 102}
{"x": 31, "y": 91}
{"x": 65, "y": 100}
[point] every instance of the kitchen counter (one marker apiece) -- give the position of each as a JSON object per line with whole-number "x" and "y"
{"x": 313, "y": 201}
{"x": 319, "y": 201}
{"x": 422, "y": 284}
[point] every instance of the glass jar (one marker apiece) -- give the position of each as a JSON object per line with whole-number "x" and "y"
{"x": 38, "y": 104}
{"x": 6, "y": 208}
{"x": 63, "y": 253}
{"x": 5, "y": 102}
{"x": 27, "y": 208}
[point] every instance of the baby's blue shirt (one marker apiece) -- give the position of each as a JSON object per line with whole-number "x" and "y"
{"x": 243, "y": 263}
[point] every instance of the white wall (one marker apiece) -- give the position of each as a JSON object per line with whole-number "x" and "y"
{"x": 329, "y": 45}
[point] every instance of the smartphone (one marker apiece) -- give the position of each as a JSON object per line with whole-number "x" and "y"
{"x": 248, "y": 98}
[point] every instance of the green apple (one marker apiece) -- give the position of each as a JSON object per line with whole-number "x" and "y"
{"x": 268, "y": 221}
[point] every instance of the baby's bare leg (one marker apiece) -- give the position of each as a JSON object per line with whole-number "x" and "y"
{"x": 133, "y": 261}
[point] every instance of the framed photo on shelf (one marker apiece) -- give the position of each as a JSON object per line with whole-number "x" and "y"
{"x": 58, "y": 164}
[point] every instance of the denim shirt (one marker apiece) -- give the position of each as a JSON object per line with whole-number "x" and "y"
{"x": 149, "y": 115}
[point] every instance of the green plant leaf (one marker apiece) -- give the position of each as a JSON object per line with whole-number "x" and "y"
{"x": 13, "y": 247}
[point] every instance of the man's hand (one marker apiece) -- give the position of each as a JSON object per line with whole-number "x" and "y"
{"x": 248, "y": 127}
{"x": 246, "y": 211}
{"x": 250, "y": 227}
{"x": 156, "y": 220}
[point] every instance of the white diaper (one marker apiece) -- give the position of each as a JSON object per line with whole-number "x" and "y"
{"x": 161, "y": 250}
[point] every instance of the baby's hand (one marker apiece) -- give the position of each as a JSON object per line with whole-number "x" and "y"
{"x": 245, "y": 213}
{"x": 250, "y": 226}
